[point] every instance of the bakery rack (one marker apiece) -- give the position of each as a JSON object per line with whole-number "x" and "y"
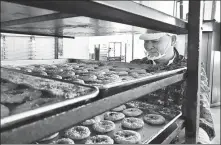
{"x": 69, "y": 19}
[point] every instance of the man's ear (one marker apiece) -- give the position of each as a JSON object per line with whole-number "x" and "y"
{"x": 174, "y": 40}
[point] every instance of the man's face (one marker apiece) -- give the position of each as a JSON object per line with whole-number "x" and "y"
{"x": 154, "y": 47}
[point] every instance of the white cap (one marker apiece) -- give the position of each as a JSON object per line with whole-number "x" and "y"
{"x": 153, "y": 35}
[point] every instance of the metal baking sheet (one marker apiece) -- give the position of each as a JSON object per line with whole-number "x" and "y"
{"x": 38, "y": 129}
{"x": 148, "y": 132}
{"x": 22, "y": 78}
{"x": 112, "y": 88}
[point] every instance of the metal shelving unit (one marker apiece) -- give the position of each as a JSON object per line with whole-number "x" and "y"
{"x": 69, "y": 19}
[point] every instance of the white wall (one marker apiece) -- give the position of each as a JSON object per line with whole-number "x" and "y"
{"x": 76, "y": 48}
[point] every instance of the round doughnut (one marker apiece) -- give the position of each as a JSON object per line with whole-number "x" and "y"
{"x": 43, "y": 73}
{"x": 81, "y": 71}
{"x": 4, "y": 111}
{"x": 78, "y": 133}
{"x": 134, "y": 74}
{"x": 100, "y": 139}
{"x": 38, "y": 69}
{"x": 154, "y": 119}
{"x": 63, "y": 141}
{"x": 132, "y": 112}
{"x": 67, "y": 74}
{"x": 127, "y": 137}
{"x": 89, "y": 122}
{"x": 50, "y": 66}
{"x": 19, "y": 96}
{"x": 54, "y": 71}
{"x": 122, "y": 73}
{"x": 67, "y": 68}
{"x": 119, "y": 69}
{"x": 113, "y": 116}
{"x": 56, "y": 76}
{"x": 104, "y": 126}
{"x": 88, "y": 78}
{"x": 132, "y": 123}
{"x": 79, "y": 81}
{"x": 27, "y": 70}
{"x": 119, "y": 108}
{"x": 50, "y": 137}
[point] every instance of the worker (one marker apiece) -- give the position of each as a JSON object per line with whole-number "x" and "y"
{"x": 160, "y": 50}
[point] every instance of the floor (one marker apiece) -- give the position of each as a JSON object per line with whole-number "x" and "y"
{"x": 216, "y": 118}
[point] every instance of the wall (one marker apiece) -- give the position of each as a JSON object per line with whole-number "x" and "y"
{"x": 76, "y": 48}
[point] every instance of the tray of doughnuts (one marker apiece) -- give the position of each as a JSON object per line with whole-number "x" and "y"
{"x": 24, "y": 96}
{"x": 110, "y": 77}
{"x": 125, "y": 124}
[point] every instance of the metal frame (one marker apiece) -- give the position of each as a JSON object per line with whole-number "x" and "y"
{"x": 125, "y": 12}
{"x": 192, "y": 109}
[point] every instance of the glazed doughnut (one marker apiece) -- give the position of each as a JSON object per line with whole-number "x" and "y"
{"x": 104, "y": 126}
{"x": 50, "y": 137}
{"x": 113, "y": 116}
{"x": 78, "y": 133}
{"x": 154, "y": 119}
{"x": 100, "y": 139}
{"x": 119, "y": 108}
{"x": 19, "y": 96}
{"x": 127, "y": 137}
{"x": 132, "y": 123}
{"x": 63, "y": 141}
{"x": 132, "y": 112}
{"x": 4, "y": 111}
{"x": 8, "y": 86}
{"x": 89, "y": 122}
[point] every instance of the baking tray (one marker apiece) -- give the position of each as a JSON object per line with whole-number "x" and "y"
{"x": 26, "y": 79}
{"x": 148, "y": 132}
{"x": 111, "y": 88}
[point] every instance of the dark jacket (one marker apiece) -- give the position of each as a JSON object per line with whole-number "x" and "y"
{"x": 174, "y": 95}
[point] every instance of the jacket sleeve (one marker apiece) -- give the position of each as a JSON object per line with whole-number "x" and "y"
{"x": 206, "y": 120}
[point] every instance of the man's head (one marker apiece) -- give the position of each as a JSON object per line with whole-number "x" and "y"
{"x": 158, "y": 45}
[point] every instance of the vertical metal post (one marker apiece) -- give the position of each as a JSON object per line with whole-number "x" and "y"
{"x": 125, "y": 52}
{"x": 181, "y": 9}
{"x": 56, "y": 48}
{"x": 193, "y": 70}
{"x": 132, "y": 43}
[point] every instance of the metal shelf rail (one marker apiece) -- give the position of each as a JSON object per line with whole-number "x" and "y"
{"x": 126, "y": 12}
